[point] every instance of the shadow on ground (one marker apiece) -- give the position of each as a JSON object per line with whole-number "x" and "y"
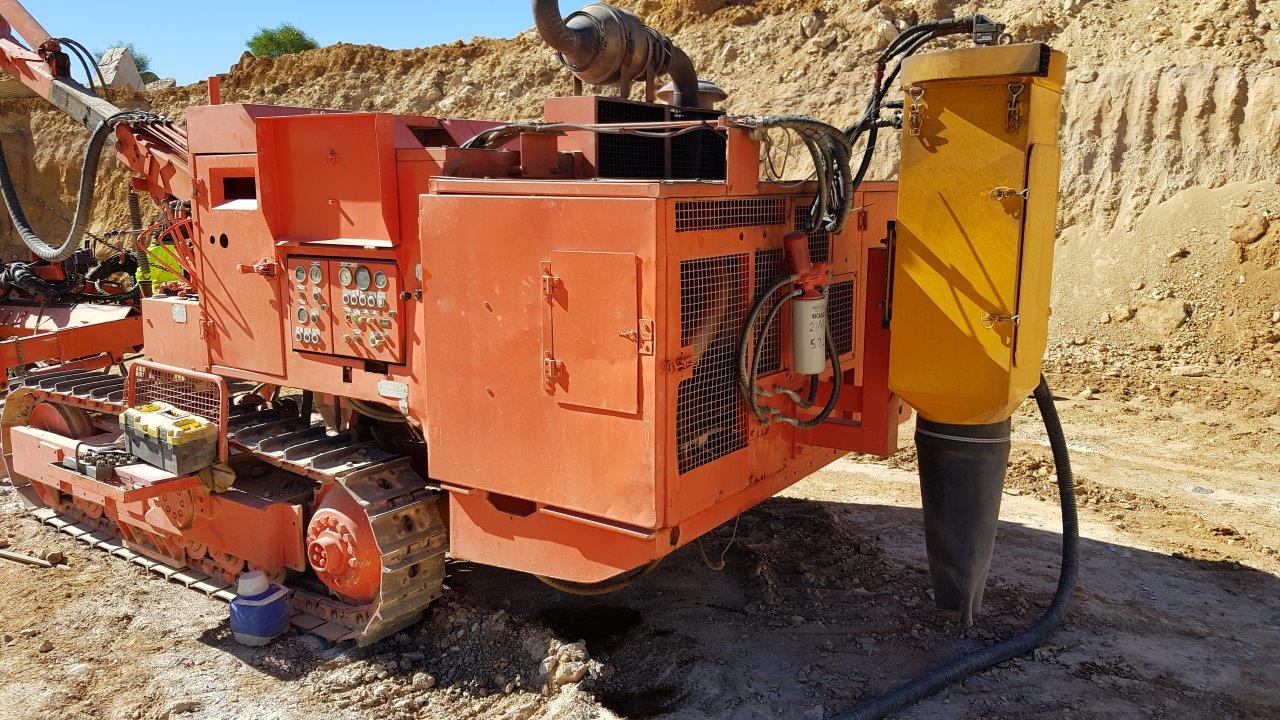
{"x": 821, "y": 604}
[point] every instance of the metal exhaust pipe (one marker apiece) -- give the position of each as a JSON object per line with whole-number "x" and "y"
{"x": 605, "y": 45}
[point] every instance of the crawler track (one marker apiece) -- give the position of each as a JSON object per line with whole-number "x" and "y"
{"x": 401, "y": 508}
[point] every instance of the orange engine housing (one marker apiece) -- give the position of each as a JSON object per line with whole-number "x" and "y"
{"x": 566, "y": 342}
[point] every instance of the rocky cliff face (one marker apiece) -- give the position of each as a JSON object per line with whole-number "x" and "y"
{"x": 1161, "y": 100}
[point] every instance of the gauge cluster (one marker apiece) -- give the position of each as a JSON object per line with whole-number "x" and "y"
{"x": 346, "y": 307}
{"x": 311, "y": 329}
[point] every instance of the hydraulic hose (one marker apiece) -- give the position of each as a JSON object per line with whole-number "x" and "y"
{"x": 84, "y": 202}
{"x": 20, "y": 276}
{"x": 749, "y": 362}
{"x": 136, "y": 250}
{"x": 744, "y": 340}
{"x": 934, "y": 680}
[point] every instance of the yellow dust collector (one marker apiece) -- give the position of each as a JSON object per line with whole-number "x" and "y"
{"x": 973, "y": 255}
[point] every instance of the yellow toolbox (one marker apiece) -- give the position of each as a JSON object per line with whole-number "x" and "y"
{"x": 171, "y": 439}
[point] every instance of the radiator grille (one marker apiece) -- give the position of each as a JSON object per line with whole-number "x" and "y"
{"x": 840, "y": 315}
{"x": 819, "y": 238}
{"x": 768, "y": 267}
{"x": 709, "y": 419}
{"x": 630, "y": 156}
{"x": 721, "y": 214}
{"x": 699, "y": 155}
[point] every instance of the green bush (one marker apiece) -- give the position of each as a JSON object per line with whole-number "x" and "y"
{"x": 141, "y": 59}
{"x": 280, "y": 40}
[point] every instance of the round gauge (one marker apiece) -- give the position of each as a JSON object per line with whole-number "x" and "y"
{"x": 317, "y": 275}
{"x": 363, "y": 278}
{"x": 344, "y": 276}
{"x": 302, "y": 315}
{"x": 300, "y": 274}
{"x": 380, "y": 280}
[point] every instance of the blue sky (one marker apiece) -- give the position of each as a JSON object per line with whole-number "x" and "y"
{"x": 192, "y": 39}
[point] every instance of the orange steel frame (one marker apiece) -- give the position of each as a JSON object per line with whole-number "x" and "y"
{"x": 517, "y": 289}
{"x": 96, "y": 335}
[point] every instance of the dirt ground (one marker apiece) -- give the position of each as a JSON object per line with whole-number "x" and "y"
{"x": 823, "y": 600}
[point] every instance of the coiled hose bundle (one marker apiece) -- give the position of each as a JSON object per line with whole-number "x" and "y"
{"x": 84, "y": 202}
{"x": 831, "y": 151}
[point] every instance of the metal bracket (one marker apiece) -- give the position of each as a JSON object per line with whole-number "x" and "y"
{"x": 265, "y": 268}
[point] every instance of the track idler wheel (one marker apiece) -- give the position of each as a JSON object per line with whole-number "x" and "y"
{"x": 67, "y": 421}
{"x": 342, "y": 549}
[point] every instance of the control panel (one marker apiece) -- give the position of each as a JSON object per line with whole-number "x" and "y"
{"x": 311, "y": 327}
{"x": 366, "y": 299}
{"x": 346, "y": 307}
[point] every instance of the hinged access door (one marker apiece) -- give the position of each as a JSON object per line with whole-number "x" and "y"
{"x": 595, "y": 336}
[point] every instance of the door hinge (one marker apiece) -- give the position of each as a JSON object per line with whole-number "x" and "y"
{"x": 552, "y": 370}
{"x": 207, "y": 329}
{"x": 642, "y": 337}
{"x": 863, "y": 218}
{"x": 550, "y": 285}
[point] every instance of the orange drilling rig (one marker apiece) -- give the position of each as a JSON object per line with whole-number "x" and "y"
{"x": 567, "y": 347}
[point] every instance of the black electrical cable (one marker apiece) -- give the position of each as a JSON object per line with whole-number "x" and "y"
{"x": 934, "y": 680}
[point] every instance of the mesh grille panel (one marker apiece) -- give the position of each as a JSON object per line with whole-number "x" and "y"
{"x": 698, "y": 155}
{"x": 721, "y": 214}
{"x": 195, "y": 395}
{"x": 840, "y": 315}
{"x": 709, "y": 419}
{"x": 819, "y": 238}
{"x": 768, "y": 267}
{"x": 630, "y": 156}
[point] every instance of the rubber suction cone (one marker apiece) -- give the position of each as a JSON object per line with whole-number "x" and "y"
{"x": 962, "y": 469}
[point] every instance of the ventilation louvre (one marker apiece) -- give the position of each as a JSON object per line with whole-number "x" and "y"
{"x": 721, "y": 214}
{"x": 710, "y": 423}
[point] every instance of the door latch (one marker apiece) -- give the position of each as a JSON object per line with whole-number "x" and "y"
{"x": 642, "y": 337}
{"x": 1004, "y": 193}
{"x": 264, "y": 267}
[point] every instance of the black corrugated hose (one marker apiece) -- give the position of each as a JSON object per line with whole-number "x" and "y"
{"x": 932, "y": 681}
{"x": 84, "y": 201}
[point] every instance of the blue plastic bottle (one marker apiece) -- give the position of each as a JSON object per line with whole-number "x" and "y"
{"x": 259, "y": 611}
